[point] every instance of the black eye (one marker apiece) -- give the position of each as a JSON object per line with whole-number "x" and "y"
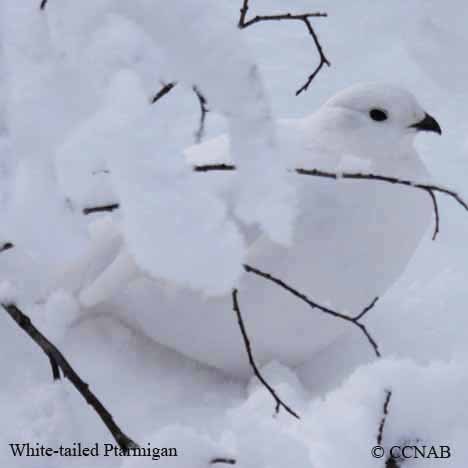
{"x": 378, "y": 115}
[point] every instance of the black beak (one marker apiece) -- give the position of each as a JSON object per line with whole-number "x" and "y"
{"x": 428, "y": 124}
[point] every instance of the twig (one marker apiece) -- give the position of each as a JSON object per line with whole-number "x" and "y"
{"x": 431, "y": 189}
{"x": 43, "y": 4}
{"x": 203, "y": 111}
{"x": 6, "y": 246}
{"x": 248, "y": 347}
{"x": 391, "y": 461}
{"x": 436, "y": 213}
{"x": 166, "y": 88}
{"x": 59, "y": 362}
{"x": 354, "y": 320}
{"x": 55, "y": 368}
{"x": 98, "y": 209}
{"x": 384, "y": 416}
{"x": 305, "y": 18}
{"x": 214, "y": 167}
{"x": 227, "y": 461}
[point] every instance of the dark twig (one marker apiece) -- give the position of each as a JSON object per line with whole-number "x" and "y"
{"x": 384, "y": 416}
{"x": 59, "y": 361}
{"x": 227, "y": 461}
{"x": 214, "y": 167}
{"x": 436, "y": 213}
{"x": 203, "y": 111}
{"x": 166, "y": 88}
{"x": 248, "y": 347}
{"x": 431, "y": 189}
{"x": 6, "y": 246}
{"x": 98, "y": 209}
{"x": 391, "y": 461}
{"x": 354, "y": 320}
{"x": 55, "y": 368}
{"x": 43, "y": 4}
{"x": 304, "y": 18}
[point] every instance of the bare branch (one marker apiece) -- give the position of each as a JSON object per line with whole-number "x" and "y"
{"x": 227, "y": 461}
{"x": 384, "y": 416}
{"x": 248, "y": 347}
{"x": 304, "y": 18}
{"x": 55, "y": 368}
{"x": 166, "y": 88}
{"x": 58, "y": 361}
{"x": 214, "y": 167}
{"x": 315, "y": 305}
{"x": 391, "y": 461}
{"x": 6, "y": 246}
{"x": 203, "y": 111}
{"x": 436, "y": 213}
{"x": 97, "y": 209}
{"x": 431, "y": 189}
{"x": 43, "y": 4}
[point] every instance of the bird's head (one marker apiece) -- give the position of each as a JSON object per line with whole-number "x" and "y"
{"x": 376, "y": 121}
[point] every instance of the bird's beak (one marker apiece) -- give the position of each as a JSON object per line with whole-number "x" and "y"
{"x": 428, "y": 124}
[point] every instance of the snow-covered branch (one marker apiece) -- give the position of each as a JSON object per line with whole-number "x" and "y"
{"x": 305, "y": 18}
{"x": 431, "y": 189}
{"x": 58, "y": 361}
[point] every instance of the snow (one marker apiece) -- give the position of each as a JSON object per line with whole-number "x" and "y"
{"x": 75, "y": 86}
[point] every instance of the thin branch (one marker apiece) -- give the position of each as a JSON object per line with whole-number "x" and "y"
{"x": 214, "y": 167}
{"x": 384, "y": 416}
{"x": 304, "y": 18}
{"x": 55, "y": 368}
{"x": 227, "y": 461}
{"x": 203, "y": 111}
{"x": 166, "y": 88}
{"x": 431, "y": 189}
{"x": 391, "y": 461}
{"x": 97, "y": 209}
{"x": 436, "y": 213}
{"x": 314, "y": 305}
{"x": 6, "y": 246}
{"x": 59, "y": 360}
{"x": 248, "y": 347}
{"x": 43, "y": 4}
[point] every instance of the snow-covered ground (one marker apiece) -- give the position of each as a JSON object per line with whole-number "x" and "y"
{"x": 75, "y": 86}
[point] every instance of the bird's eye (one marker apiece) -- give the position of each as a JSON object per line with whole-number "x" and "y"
{"x": 378, "y": 115}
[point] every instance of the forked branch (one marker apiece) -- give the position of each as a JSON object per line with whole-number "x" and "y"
{"x": 431, "y": 189}
{"x": 304, "y": 18}
{"x": 279, "y": 403}
{"x": 326, "y": 310}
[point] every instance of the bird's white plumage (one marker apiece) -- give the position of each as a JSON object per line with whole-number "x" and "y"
{"x": 352, "y": 240}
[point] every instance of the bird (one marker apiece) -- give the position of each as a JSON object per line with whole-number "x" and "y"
{"x": 351, "y": 241}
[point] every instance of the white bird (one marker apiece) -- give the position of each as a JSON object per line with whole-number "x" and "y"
{"x": 352, "y": 240}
